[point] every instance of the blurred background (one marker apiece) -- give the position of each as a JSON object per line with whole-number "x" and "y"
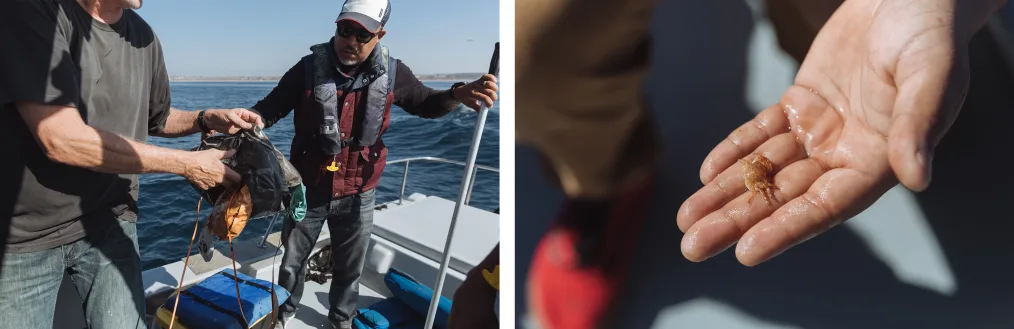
{"x": 937, "y": 259}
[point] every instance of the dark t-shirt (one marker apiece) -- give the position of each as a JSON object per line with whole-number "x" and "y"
{"x": 55, "y": 53}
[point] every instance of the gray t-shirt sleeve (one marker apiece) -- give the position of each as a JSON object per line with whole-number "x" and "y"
{"x": 160, "y": 99}
{"x": 37, "y": 65}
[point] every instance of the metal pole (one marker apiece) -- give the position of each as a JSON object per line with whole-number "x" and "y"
{"x": 468, "y": 197}
{"x": 404, "y": 179}
{"x": 494, "y": 69}
{"x": 271, "y": 226}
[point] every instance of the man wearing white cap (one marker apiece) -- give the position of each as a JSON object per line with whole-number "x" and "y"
{"x": 341, "y": 96}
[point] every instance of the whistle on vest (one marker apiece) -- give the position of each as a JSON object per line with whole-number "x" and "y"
{"x": 333, "y": 167}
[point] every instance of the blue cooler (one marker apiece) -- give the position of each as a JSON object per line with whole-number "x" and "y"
{"x": 212, "y": 303}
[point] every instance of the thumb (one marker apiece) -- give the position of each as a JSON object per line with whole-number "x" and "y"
{"x": 223, "y": 154}
{"x": 929, "y": 100}
{"x": 237, "y": 120}
{"x": 231, "y": 177}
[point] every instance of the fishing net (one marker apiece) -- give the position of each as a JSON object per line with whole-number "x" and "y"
{"x": 318, "y": 266}
{"x": 269, "y": 184}
{"x": 269, "y": 181}
{"x": 231, "y": 214}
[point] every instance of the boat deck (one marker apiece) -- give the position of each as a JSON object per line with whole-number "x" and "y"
{"x": 313, "y": 307}
{"x": 408, "y": 236}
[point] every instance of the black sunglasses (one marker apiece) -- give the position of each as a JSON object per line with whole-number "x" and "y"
{"x": 349, "y": 29}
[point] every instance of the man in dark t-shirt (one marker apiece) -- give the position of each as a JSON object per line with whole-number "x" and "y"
{"x": 82, "y": 85}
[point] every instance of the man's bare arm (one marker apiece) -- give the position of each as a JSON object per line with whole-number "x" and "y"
{"x": 66, "y": 139}
{"x": 180, "y": 123}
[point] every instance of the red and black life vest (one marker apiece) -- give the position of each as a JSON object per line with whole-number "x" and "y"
{"x": 324, "y": 148}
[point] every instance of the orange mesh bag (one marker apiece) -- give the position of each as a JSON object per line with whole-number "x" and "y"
{"x": 231, "y": 213}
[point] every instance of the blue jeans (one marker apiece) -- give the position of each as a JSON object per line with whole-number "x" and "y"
{"x": 350, "y": 221}
{"x": 106, "y": 270}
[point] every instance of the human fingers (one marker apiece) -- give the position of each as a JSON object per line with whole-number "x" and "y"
{"x": 718, "y": 230}
{"x": 490, "y": 85}
{"x": 471, "y": 102}
{"x": 258, "y": 120}
{"x": 231, "y": 177}
{"x": 782, "y": 150}
{"x": 834, "y": 197}
{"x": 482, "y": 98}
{"x": 240, "y": 118}
{"x": 491, "y": 92}
{"x": 931, "y": 89}
{"x": 252, "y": 117}
{"x": 742, "y": 141}
{"x": 222, "y": 154}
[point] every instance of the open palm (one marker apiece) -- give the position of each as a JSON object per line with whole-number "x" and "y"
{"x": 879, "y": 87}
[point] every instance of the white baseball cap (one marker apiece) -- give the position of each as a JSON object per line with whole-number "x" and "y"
{"x": 371, "y": 14}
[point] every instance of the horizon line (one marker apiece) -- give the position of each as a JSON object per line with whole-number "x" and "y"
{"x": 278, "y": 76}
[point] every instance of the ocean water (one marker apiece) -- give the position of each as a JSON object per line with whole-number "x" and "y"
{"x": 168, "y": 203}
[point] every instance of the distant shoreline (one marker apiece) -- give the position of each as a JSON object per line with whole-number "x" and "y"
{"x": 238, "y": 80}
{"x": 440, "y": 77}
{"x": 218, "y": 80}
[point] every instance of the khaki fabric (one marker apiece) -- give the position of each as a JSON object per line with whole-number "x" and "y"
{"x": 580, "y": 71}
{"x": 228, "y": 218}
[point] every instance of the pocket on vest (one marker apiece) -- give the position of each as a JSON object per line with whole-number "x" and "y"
{"x": 373, "y": 153}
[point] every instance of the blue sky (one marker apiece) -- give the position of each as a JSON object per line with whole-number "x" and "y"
{"x": 264, "y": 37}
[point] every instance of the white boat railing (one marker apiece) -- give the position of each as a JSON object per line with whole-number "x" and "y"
{"x": 407, "y": 161}
{"x": 404, "y": 181}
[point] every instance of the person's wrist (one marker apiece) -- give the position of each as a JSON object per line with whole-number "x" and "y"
{"x": 454, "y": 90}
{"x": 202, "y": 121}
{"x": 967, "y": 18}
{"x": 963, "y": 17}
{"x": 184, "y": 163}
{"x": 171, "y": 161}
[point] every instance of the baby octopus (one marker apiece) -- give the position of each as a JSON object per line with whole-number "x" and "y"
{"x": 757, "y": 175}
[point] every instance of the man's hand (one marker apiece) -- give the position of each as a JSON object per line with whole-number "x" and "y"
{"x": 206, "y": 170}
{"x": 880, "y": 86}
{"x": 231, "y": 121}
{"x": 478, "y": 92}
